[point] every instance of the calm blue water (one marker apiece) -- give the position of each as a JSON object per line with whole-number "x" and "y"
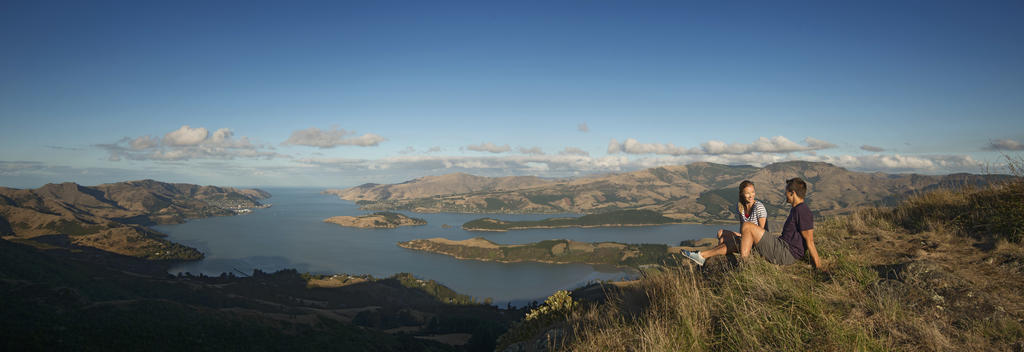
{"x": 292, "y": 234}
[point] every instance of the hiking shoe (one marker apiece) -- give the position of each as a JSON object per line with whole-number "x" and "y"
{"x": 695, "y": 256}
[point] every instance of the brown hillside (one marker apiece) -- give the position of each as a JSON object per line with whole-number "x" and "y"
{"x": 437, "y": 185}
{"x": 695, "y": 192}
{"x": 109, "y": 216}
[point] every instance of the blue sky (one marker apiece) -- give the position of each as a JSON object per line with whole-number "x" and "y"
{"x": 332, "y": 94}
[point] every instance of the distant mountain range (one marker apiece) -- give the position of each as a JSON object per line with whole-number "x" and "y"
{"x": 114, "y": 217}
{"x": 699, "y": 192}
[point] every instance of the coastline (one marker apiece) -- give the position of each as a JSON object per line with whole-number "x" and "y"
{"x": 507, "y": 261}
{"x": 496, "y": 253}
{"x": 576, "y": 226}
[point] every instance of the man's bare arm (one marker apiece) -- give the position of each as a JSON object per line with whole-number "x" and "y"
{"x": 809, "y": 238}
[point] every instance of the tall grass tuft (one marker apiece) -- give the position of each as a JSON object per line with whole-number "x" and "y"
{"x": 990, "y": 213}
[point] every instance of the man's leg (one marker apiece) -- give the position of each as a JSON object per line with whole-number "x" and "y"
{"x": 751, "y": 236}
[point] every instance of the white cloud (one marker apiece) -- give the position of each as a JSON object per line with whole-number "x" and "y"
{"x": 568, "y": 165}
{"x": 573, "y": 151}
{"x": 815, "y": 144}
{"x": 407, "y": 150}
{"x": 144, "y": 142}
{"x": 583, "y": 127}
{"x": 221, "y": 135}
{"x": 314, "y": 137}
{"x": 777, "y": 144}
{"x": 187, "y": 143}
{"x": 489, "y": 147}
{"x": 1005, "y": 144}
{"x": 434, "y": 149}
{"x": 531, "y": 151}
{"x": 512, "y": 164}
{"x": 906, "y": 163}
{"x": 186, "y": 136}
{"x": 872, "y": 148}
{"x": 632, "y": 146}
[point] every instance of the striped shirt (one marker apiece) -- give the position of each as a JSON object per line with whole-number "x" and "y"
{"x": 757, "y": 212}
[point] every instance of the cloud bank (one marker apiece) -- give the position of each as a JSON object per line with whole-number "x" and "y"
{"x": 574, "y": 151}
{"x": 777, "y": 144}
{"x": 187, "y": 143}
{"x": 185, "y": 136}
{"x": 314, "y": 137}
{"x": 569, "y": 164}
{"x": 531, "y": 151}
{"x": 489, "y": 147}
{"x": 1005, "y": 144}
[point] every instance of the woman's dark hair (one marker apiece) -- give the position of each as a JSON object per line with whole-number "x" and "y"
{"x": 743, "y": 185}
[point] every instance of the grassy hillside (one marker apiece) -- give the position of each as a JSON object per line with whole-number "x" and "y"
{"x": 939, "y": 271}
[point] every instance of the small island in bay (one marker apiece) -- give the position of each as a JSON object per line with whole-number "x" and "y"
{"x": 378, "y": 220}
{"x": 609, "y": 219}
{"x": 549, "y": 251}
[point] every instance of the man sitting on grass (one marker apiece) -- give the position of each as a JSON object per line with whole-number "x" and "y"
{"x": 797, "y": 235}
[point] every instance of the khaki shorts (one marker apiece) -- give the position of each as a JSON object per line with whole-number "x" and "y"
{"x": 774, "y": 250}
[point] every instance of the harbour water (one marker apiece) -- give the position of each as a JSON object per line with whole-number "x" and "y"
{"x": 292, "y": 234}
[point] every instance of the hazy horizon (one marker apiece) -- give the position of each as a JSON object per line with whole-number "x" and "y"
{"x": 262, "y": 94}
{"x": 342, "y": 185}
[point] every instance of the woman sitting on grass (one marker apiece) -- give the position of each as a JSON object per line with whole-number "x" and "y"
{"x": 747, "y": 210}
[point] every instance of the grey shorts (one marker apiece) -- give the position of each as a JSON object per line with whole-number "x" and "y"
{"x": 774, "y": 250}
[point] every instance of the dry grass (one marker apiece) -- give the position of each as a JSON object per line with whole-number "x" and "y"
{"x": 941, "y": 271}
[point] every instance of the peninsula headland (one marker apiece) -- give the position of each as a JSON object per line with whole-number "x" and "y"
{"x": 610, "y": 219}
{"x": 378, "y": 220}
{"x": 550, "y": 251}
{"x": 115, "y": 217}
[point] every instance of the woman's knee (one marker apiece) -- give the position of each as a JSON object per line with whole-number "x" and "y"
{"x": 749, "y": 227}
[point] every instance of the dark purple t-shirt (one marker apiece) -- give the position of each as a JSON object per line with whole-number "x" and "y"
{"x": 800, "y": 219}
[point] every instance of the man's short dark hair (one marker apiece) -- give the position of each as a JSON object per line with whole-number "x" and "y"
{"x": 798, "y": 186}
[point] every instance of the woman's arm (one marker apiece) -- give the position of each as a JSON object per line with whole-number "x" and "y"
{"x": 762, "y": 215}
